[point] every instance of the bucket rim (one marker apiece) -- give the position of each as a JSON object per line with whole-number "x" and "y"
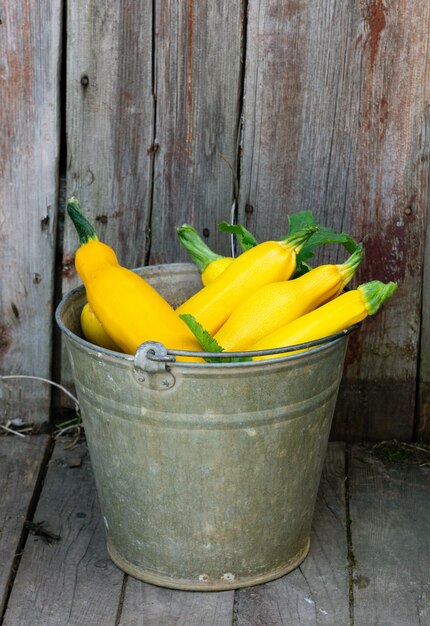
{"x": 169, "y": 356}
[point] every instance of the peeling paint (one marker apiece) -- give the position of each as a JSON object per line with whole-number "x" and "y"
{"x": 5, "y": 339}
{"x": 375, "y": 18}
{"x": 68, "y": 265}
{"x": 118, "y": 213}
{"x": 354, "y": 351}
{"x": 388, "y": 250}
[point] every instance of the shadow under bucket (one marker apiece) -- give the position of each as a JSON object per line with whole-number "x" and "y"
{"x": 207, "y": 474}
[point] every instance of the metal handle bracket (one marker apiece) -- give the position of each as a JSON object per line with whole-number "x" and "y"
{"x": 151, "y": 366}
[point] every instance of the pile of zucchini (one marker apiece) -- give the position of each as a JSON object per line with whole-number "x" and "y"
{"x": 268, "y": 297}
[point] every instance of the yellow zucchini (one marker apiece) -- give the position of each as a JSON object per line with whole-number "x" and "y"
{"x": 276, "y": 304}
{"x": 129, "y": 309}
{"x": 209, "y": 262}
{"x": 94, "y": 332}
{"x": 330, "y": 318}
{"x": 214, "y": 269}
{"x": 265, "y": 263}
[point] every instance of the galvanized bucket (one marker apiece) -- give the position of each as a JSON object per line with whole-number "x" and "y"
{"x": 207, "y": 474}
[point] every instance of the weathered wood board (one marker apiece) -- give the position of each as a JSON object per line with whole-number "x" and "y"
{"x": 368, "y": 563}
{"x": 335, "y": 121}
{"x": 153, "y": 113}
{"x": 69, "y": 580}
{"x": 21, "y": 462}
{"x": 198, "y": 65}
{"x": 390, "y": 532}
{"x": 317, "y": 591}
{"x": 30, "y": 52}
{"x": 423, "y": 408}
{"x": 148, "y": 605}
{"x": 110, "y": 130}
{"x": 153, "y": 109}
{"x": 110, "y": 119}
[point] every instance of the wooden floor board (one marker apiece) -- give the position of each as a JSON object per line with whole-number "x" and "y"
{"x": 316, "y": 593}
{"x": 21, "y": 461}
{"x": 390, "y": 531}
{"x": 70, "y": 580}
{"x": 147, "y": 605}
{"x": 65, "y": 577}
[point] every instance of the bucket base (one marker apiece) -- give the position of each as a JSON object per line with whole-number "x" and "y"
{"x": 203, "y": 585}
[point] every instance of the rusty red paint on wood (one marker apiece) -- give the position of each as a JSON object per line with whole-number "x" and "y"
{"x": 375, "y": 18}
{"x": 68, "y": 265}
{"x": 190, "y": 23}
{"x": 5, "y": 339}
{"x": 29, "y": 145}
{"x": 347, "y": 138}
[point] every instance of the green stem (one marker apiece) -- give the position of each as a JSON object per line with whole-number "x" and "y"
{"x": 199, "y": 252}
{"x": 375, "y": 293}
{"x": 85, "y": 231}
{"x": 299, "y": 238}
{"x": 348, "y": 268}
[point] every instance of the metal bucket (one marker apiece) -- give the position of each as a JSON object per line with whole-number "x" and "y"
{"x": 207, "y": 474}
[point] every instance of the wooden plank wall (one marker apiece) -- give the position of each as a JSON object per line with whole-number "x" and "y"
{"x": 151, "y": 122}
{"x": 30, "y": 61}
{"x": 345, "y": 134}
{"x": 198, "y": 48}
{"x": 314, "y": 104}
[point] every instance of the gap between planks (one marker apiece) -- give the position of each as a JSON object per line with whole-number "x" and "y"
{"x": 23, "y": 464}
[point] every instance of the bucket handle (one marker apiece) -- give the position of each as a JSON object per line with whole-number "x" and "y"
{"x": 164, "y": 356}
{"x": 152, "y": 358}
{"x": 150, "y": 366}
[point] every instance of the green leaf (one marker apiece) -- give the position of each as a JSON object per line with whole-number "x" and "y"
{"x": 243, "y": 235}
{"x": 205, "y": 339}
{"x": 325, "y": 236}
{"x": 321, "y": 237}
{"x": 299, "y": 220}
{"x": 207, "y": 342}
{"x": 296, "y": 222}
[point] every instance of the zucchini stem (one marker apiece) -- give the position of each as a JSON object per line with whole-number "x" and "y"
{"x": 84, "y": 229}
{"x": 348, "y": 268}
{"x": 199, "y": 252}
{"x": 375, "y": 293}
{"x": 297, "y": 240}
